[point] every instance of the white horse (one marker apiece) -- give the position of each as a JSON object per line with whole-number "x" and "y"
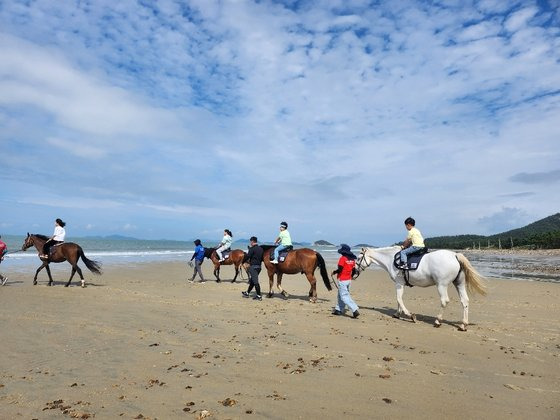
{"x": 439, "y": 268}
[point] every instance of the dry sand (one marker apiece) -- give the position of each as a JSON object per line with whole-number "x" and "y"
{"x": 142, "y": 342}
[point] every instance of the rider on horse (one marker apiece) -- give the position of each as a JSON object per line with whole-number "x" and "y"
{"x": 413, "y": 242}
{"x": 284, "y": 240}
{"x": 57, "y": 238}
{"x": 225, "y": 244}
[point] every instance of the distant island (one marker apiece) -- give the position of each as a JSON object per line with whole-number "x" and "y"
{"x": 322, "y": 242}
{"x": 542, "y": 234}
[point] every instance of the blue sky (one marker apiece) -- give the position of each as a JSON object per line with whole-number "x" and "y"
{"x": 177, "y": 119}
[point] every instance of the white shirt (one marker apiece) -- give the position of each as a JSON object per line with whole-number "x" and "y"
{"x": 59, "y": 233}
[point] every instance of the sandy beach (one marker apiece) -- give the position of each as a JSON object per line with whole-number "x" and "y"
{"x": 142, "y": 342}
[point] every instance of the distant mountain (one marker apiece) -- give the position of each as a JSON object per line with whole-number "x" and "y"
{"x": 116, "y": 237}
{"x": 322, "y": 242}
{"x": 544, "y": 233}
{"x": 364, "y": 246}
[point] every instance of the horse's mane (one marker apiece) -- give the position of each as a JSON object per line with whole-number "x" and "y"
{"x": 267, "y": 247}
{"x": 43, "y": 237}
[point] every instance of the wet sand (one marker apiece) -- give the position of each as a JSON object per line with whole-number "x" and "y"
{"x": 142, "y": 342}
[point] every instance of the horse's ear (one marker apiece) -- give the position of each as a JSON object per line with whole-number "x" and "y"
{"x": 28, "y": 234}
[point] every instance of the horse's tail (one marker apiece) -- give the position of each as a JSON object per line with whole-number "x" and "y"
{"x": 475, "y": 282}
{"x": 323, "y": 270}
{"x": 94, "y": 266}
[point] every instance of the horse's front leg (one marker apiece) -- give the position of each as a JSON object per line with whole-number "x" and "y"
{"x": 49, "y": 273}
{"x": 217, "y": 272}
{"x": 399, "y": 287}
{"x": 37, "y": 273}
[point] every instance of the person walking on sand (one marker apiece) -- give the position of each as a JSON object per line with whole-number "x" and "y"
{"x": 283, "y": 241}
{"x": 3, "y": 252}
{"x": 413, "y": 242}
{"x": 57, "y": 238}
{"x": 198, "y": 257}
{"x": 254, "y": 258}
{"x": 346, "y": 269}
{"x": 225, "y": 244}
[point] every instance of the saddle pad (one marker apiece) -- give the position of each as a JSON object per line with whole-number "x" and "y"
{"x": 413, "y": 259}
{"x": 282, "y": 254}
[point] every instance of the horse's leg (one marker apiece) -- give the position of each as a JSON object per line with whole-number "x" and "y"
{"x": 462, "y": 290}
{"x": 71, "y": 276}
{"x": 37, "y": 273}
{"x": 279, "y": 285}
{"x": 400, "y": 291}
{"x": 236, "y": 272}
{"x": 217, "y": 272}
{"x": 49, "y": 273}
{"x": 444, "y": 298}
{"x": 270, "y": 282}
{"x": 313, "y": 289}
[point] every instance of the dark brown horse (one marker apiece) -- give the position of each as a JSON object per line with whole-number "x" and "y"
{"x": 304, "y": 261}
{"x": 67, "y": 251}
{"x": 235, "y": 257}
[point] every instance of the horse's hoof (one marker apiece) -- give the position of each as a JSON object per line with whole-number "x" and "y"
{"x": 270, "y": 295}
{"x": 233, "y": 281}
{"x": 413, "y": 317}
{"x": 395, "y": 316}
{"x": 437, "y": 324}
{"x": 34, "y": 283}
{"x": 313, "y": 300}
{"x": 66, "y": 285}
{"x": 284, "y": 293}
{"x": 218, "y": 281}
{"x": 462, "y": 327}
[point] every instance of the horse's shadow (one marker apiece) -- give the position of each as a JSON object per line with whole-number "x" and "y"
{"x": 295, "y": 297}
{"x": 425, "y": 319}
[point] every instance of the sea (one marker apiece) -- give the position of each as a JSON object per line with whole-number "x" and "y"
{"x": 113, "y": 252}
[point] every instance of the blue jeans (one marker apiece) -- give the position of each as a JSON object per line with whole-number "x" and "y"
{"x": 409, "y": 250}
{"x": 344, "y": 297}
{"x": 277, "y": 251}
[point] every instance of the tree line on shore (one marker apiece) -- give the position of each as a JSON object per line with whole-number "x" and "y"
{"x": 542, "y": 234}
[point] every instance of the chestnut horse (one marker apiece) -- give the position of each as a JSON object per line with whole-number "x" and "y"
{"x": 67, "y": 251}
{"x": 235, "y": 257}
{"x": 304, "y": 261}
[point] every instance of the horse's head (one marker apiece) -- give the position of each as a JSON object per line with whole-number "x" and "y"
{"x": 361, "y": 262}
{"x": 28, "y": 243}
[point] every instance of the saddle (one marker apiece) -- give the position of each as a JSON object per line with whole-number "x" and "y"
{"x": 282, "y": 254}
{"x": 413, "y": 259}
{"x": 52, "y": 250}
{"x": 225, "y": 254}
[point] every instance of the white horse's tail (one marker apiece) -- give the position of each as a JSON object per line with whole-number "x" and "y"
{"x": 475, "y": 282}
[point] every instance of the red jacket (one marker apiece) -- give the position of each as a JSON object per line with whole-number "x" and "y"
{"x": 347, "y": 265}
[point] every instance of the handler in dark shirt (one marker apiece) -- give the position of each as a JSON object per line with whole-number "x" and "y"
{"x": 254, "y": 257}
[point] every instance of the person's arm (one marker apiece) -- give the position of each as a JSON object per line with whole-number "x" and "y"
{"x": 338, "y": 270}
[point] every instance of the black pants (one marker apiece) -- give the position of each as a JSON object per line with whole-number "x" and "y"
{"x": 254, "y": 271}
{"x": 48, "y": 245}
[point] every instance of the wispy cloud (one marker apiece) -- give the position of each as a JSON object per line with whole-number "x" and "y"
{"x": 191, "y": 115}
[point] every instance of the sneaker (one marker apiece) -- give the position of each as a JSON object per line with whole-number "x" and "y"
{"x": 258, "y": 297}
{"x": 274, "y": 262}
{"x": 4, "y": 280}
{"x": 245, "y": 294}
{"x": 355, "y": 314}
{"x": 336, "y": 312}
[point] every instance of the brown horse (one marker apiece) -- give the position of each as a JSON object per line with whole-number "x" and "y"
{"x": 67, "y": 251}
{"x": 235, "y": 257}
{"x": 304, "y": 261}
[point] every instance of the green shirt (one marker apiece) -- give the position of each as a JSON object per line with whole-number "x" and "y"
{"x": 285, "y": 238}
{"x": 415, "y": 237}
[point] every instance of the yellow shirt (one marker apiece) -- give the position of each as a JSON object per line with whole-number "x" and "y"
{"x": 415, "y": 237}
